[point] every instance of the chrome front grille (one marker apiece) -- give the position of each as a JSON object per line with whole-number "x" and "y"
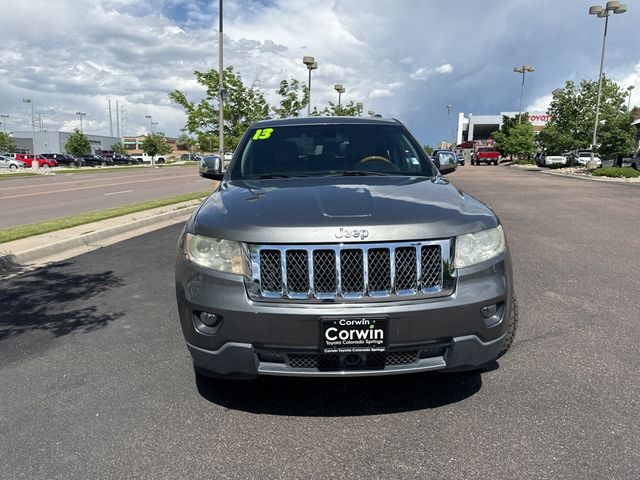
{"x": 351, "y": 271}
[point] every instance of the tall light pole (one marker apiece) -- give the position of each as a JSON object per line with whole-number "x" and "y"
{"x": 523, "y": 70}
{"x": 603, "y": 12}
{"x": 311, "y": 65}
{"x": 359, "y": 107}
{"x": 4, "y": 121}
{"x": 629, "y": 88}
{"x": 221, "y": 94}
{"x": 338, "y": 87}
{"x": 33, "y": 127}
{"x": 150, "y": 123}
{"x": 80, "y": 114}
{"x": 448, "y": 115}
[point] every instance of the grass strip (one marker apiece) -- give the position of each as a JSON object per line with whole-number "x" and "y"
{"x": 24, "y": 231}
{"x": 8, "y": 176}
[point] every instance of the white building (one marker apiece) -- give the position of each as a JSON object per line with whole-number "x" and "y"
{"x": 479, "y": 127}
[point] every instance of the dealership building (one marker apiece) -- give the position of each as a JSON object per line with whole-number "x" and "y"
{"x": 54, "y": 142}
{"x": 479, "y": 127}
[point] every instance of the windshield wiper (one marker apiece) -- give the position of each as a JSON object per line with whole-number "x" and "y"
{"x": 358, "y": 173}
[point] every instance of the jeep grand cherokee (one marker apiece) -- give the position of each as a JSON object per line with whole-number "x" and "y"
{"x": 335, "y": 247}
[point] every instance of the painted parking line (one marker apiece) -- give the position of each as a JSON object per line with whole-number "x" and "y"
{"x": 117, "y": 193}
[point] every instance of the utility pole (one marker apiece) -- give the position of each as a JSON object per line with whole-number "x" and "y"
{"x": 221, "y": 93}
{"x": 110, "y": 119}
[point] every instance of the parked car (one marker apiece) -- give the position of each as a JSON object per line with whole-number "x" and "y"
{"x": 487, "y": 155}
{"x": 336, "y": 249}
{"x": 444, "y": 156}
{"x": 42, "y": 161}
{"x": 121, "y": 159}
{"x": 147, "y": 158}
{"x": 190, "y": 157}
{"x": 460, "y": 159}
{"x": 635, "y": 162}
{"x": 583, "y": 156}
{"x": 64, "y": 159}
{"x": 11, "y": 163}
{"x": 93, "y": 160}
{"x": 543, "y": 159}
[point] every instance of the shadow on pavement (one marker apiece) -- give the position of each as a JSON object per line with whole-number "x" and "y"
{"x": 53, "y": 299}
{"x": 341, "y": 397}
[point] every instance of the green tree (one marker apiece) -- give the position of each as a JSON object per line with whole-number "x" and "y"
{"x": 515, "y": 137}
{"x": 6, "y": 143}
{"x": 428, "y": 149}
{"x": 243, "y": 106}
{"x": 294, "y": 97}
{"x": 572, "y": 110}
{"x": 78, "y": 144}
{"x": 118, "y": 147}
{"x": 185, "y": 142}
{"x": 350, "y": 109}
{"x": 155, "y": 144}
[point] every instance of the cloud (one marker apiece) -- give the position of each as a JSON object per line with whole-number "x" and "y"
{"x": 136, "y": 51}
{"x": 540, "y": 104}
{"x": 381, "y": 92}
{"x": 445, "y": 69}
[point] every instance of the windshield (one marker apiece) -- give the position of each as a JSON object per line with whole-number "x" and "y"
{"x": 347, "y": 149}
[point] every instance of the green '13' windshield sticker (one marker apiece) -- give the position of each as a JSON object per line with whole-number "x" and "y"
{"x": 262, "y": 133}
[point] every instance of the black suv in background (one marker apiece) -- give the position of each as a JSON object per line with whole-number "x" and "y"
{"x": 64, "y": 160}
{"x": 93, "y": 160}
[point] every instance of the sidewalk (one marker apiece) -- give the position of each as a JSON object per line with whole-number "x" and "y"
{"x": 38, "y": 250}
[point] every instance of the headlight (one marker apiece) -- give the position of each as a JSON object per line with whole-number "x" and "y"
{"x": 215, "y": 253}
{"x": 478, "y": 247}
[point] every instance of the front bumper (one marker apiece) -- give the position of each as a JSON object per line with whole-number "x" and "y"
{"x": 259, "y": 338}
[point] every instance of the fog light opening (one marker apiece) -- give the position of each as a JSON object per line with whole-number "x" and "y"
{"x": 209, "y": 319}
{"x": 488, "y": 311}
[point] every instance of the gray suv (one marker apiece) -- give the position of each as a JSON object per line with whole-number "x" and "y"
{"x": 335, "y": 247}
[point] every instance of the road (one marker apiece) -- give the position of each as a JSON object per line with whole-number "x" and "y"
{"x": 36, "y": 199}
{"x": 96, "y": 381}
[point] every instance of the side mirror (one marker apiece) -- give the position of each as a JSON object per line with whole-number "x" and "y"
{"x": 211, "y": 167}
{"x": 445, "y": 164}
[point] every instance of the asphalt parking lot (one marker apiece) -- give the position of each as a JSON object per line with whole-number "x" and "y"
{"x": 45, "y": 197}
{"x": 97, "y": 383}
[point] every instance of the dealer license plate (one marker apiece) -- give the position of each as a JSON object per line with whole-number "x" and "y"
{"x": 351, "y": 335}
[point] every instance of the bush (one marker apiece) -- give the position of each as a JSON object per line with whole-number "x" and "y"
{"x": 626, "y": 172}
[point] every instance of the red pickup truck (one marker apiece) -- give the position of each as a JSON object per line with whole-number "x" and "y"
{"x": 485, "y": 155}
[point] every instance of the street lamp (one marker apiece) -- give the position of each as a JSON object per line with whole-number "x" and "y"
{"x": 150, "y": 123}
{"x": 222, "y": 94}
{"x": 311, "y": 65}
{"x": 340, "y": 89}
{"x": 629, "y": 88}
{"x": 80, "y": 114}
{"x": 603, "y": 12}
{"x": 4, "y": 121}
{"x": 33, "y": 127}
{"x": 359, "y": 107}
{"x": 523, "y": 70}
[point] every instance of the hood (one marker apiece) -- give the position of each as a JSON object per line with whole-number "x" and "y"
{"x": 339, "y": 210}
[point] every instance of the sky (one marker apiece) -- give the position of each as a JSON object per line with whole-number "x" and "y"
{"x": 406, "y": 59}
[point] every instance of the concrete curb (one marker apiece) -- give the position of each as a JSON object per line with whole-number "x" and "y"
{"x": 17, "y": 254}
{"x": 592, "y": 179}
